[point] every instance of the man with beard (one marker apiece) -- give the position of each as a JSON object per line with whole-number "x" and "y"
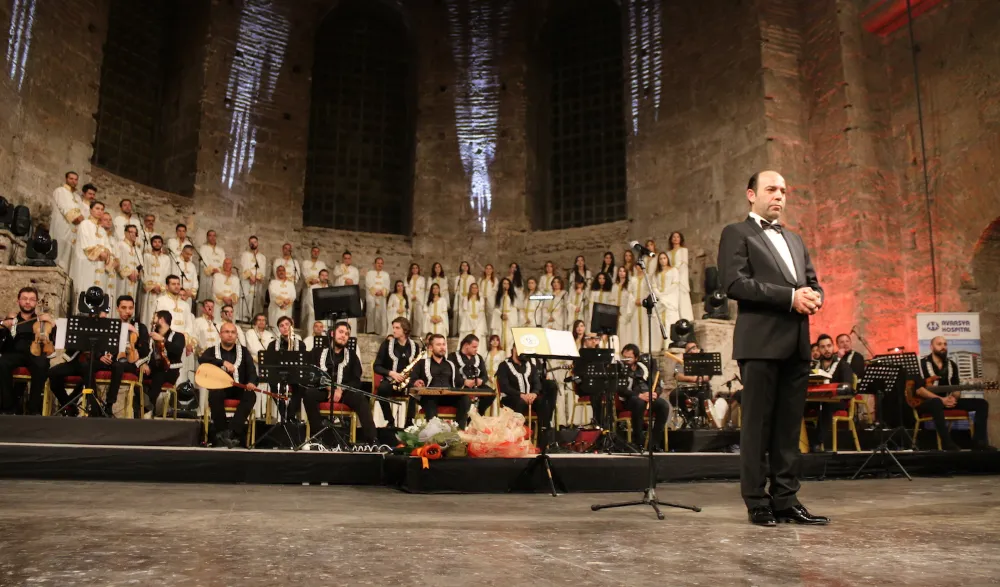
{"x": 834, "y": 370}
{"x": 344, "y": 368}
{"x": 155, "y": 269}
{"x": 845, "y": 349}
{"x": 945, "y": 371}
{"x": 253, "y": 266}
{"x": 437, "y": 371}
{"x": 473, "y": 370}
{"x": 233, "y": 358}
{"x": 15, "y": 351}
{"x": 395, "y": 353}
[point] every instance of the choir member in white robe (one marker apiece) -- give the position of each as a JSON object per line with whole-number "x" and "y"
{"x": 212, "y": 256}
{"x": 345, "y": 273}
{"x": 68, "y": 211}
{"x": 283, "y": 294}
{"x": 293, "y": 269}
{"x": 628, "y": 261}
{"x": 318, "y": 329}
{"x": 473, "y": 314}
{"x": 155, "y": 269}
{"x": 416, "y": 288}
{"x": 607, "y": 266}
{"x": 494, "y": 357}
{"x": 111, "y": 266}
{"x": 437, "y": 277}
{"x": 226, "y": 285}
{"x": 514, "y": 275}
{"x": 377, "y": 283}
{"x": 125, "y": 218}
{"x": 488, "y": 286}
{"x": 227, "y": 315}
{"x": 667, "y": 281}
{"x": 623, "y": 296}
{"x": 459, "y": 290}
{"x": 398, "y": 304}
{"x": 436, "y": 312}
{"x": 576, "y": 303}
{"x": 554, "y": 311}
{"x": 177, "y": 243}
{"x": 129, "y": 258}
{"x": 322, "y": 280}
{"x": 579, "y": 272}
{"x": 206, "y": 330}
{"x": 600, "y": 293}
{"x": 90, "y": 253}
{"x": 185, "y": 268}
{"x": 146, "y": 232}
{"x": 530, "y": 314}
{"x": 253, "y": 269}
{"x": 506, "y": 314}
{"x": 310, "y": 277}
{"x": 679, "y": 260}
{"x": 182, "y": 320}
{"x": 545, "y": 280}
{"x": 640, "y": 317}
{"x": 259, "y": 337}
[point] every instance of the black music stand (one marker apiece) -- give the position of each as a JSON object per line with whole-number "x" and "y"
{"x": 281, "y": 369}
{"x": 93, "y": 335}
{"x": 881, "y": 375}
{"x": 601, "y": 376}
{"x": 704, "y": 365}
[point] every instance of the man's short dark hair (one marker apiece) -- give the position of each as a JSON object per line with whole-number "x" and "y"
{"x": 156, "y": 237}
{"x": 433, "y": 337}
{"x": 96, "y": 202}
{"x": 469, "y": 339}
{"x": 404, "y": 323}
{"x": 752, "y": 184}
{"x": 128, "y": 226}
{"x": 224, "y": 306}
{"x": 634, "y": 349}
{"x": 261, "y": 315}
{"x": 345, "y": 253}
{"x": 282, "y": 320}
{"x": 823, "y": 337}
{"x": 254, "y": 237}
{"x": 343, "y": 323}
{"x": 124, "y": 298}
{"x": 167, "y": 316}
{"x": 27, "y": 289}
{"x": 122, "y": 201}
{"x": 844, "y": 334}
{"x": 87, "y": 187}
{"x": 814, "y": 345}
{"x": 181, "y": 225}
{"x": 169, "y": 277}
{"x": 207, "y": 301}
{"x": 69, "y": 173}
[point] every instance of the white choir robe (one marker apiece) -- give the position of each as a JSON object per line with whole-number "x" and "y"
{"x": 588, "y": 278}
{"x": 396, "y": 307}
{"x": 679, "y": 260}
{"x": 442, "y": 283}
{"x": 459, "y": 289}
{"x": 129, "y": 258}
{"x": 342, "y": 274}
{"x": 282, "y": 292}
{"x": 545, "y": 283}
{"x": 375, "y": 311}
{"x": 641, "y": 319}
{"x": 86, "y": 270}
{"x": 501, "y": 327}
{"x": 189, "y": 280}
{"x": 488, "y": 290}
{"x": 252, "y": 296}
{"x": 206, "y": 334}
{"x": 624, "y": 298}
{"x": 553, "y": 313}
{"x": 176, "y": 245}
{"x": 255, "y": 343}
{"x": 66, "y": 207}
{"x": 493, "y": 361}
{"x": 474, "y": 319}
{"x": 223, "y": 287}
{"x": 437, "y": 308}
{"x": 667, "y": 284}
{"x": 310, "y": 272}
{"x": 155, "y": 269}
{"x": 212, "y": 257}
{"x": 121, "y": 221}
{"x": 293, "y": 269}
{"x": 530, "y": 313}
{"x": 111, "y": 267}
{"x": 576, "y": 308}
{"x": 416, "y": 288}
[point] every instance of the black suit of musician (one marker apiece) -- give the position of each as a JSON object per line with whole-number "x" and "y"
{"x": 437, "y": 371}
{"x": 161, "y": 370}
{"x": 235, "y": 359}
{"x": 472, "y": 367}
{"x": 937, "y": 364}
{"x": 634, "y": 391}
{"x": 344, "y": 368}
{"x": 15, "y": 351}
{"x": 520, "y": 381}
{"x": 840, "y": 373}
{"x": 766, "y": 269}
{"x": 393, "y": 357}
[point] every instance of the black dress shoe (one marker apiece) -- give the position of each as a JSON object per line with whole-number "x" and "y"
{"x": 800, "y": 515}
{"x": 762, "y": 516}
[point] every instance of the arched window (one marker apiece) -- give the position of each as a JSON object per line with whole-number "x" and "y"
{"x": 579, "y": 123}
{"x": 361, "y": 126}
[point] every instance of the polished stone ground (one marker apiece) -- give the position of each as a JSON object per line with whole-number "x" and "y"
{"x": 889, "y": 532}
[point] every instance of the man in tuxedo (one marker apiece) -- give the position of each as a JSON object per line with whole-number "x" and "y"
{"x": 766, "y": 269}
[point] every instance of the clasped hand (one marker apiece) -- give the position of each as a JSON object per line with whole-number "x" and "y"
{"x": 807, "y": 301}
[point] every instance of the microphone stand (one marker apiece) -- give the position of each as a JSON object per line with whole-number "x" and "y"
{"x": 863, "y": 341}
{"x": 140, "y": 294}
{"x": 649, "y": 495}
{"x": 145, "y": 247}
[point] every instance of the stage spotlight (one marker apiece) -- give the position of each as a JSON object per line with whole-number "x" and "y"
{"x": 716, "y": 302}
{"x": 16, "y": 219}
{"x": 42, "y": 249}
{"x": 681, "y": 333}
{"x": 93, "y": 301}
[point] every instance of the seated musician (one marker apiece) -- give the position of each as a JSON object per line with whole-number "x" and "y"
{"x": 164, "y": 364}
{"x": 521, "y": 384}
{"x": 15, "y": 351}
{"x": 690, "y": 385}
{"x": 937, "y": 369}
{"x": 473, "y": 370}
{"x": 344, "y": 368}
{"x": 586, "y": 386}
{"x": 287, "y": 340}
{"x": 233, "y": 358}
{"x": 834, "y": 370}
{"x": 635, "y": 393}
{"x": 394, "y": 355}
{"x": 845, "y": 349}
{"x": 438, "y": 371}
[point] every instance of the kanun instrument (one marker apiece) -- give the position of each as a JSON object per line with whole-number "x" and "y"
{"x": 442, "y": 391}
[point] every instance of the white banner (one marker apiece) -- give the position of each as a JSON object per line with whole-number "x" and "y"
{"x": 961, "y": 329}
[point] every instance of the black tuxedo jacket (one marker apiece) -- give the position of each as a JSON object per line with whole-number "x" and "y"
{"x": 753, "y": 274}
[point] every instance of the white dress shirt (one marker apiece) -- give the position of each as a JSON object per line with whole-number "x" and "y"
{"x": 778, "y": 240}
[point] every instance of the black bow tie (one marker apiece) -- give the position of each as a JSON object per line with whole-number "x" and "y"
{"x": 770, "y": 225}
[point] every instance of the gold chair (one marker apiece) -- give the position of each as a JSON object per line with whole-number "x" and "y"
{"x": 950, "y": 416}
{"x": 130, "y": 380}
{"x": 843, "y": 416}
{"x": 230, "y": 406}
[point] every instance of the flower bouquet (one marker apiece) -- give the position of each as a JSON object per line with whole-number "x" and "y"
{"x": 431, "y": 439}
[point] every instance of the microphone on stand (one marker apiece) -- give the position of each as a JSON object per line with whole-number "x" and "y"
{"x": 640, "y": 250}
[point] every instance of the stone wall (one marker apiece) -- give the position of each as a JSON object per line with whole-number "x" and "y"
{"x": 52, "y": 284}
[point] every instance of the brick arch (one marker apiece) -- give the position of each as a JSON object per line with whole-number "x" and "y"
{"x": 979, "y": 292}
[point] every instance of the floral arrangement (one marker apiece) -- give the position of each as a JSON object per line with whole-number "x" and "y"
{"x": 431, "y": 439}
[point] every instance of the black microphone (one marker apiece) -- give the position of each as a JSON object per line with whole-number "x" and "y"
{"x": 640, "y": 250}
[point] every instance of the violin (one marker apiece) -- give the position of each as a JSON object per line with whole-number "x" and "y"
{"x": 42, "y": 345}
{"x": 131, "y": 354}
{"x": 159, "y": 349}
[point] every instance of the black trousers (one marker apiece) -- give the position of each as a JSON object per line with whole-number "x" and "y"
{"x": 774, "y": 397}
{"x": 118, "y": 370}
{"x": 484, "y": 402}
{"x": 385, "y": 390}
{"x": 660, "y": 412}
{"x": 38, "y": 367}
{"x": 824, "y": 420}
{"x": 58, "y": 375}
{"x": 935, "y": 409}
{"x": 217, "y": 408}
{"x": 461, "y": 403}
{"x": 543, "y": 407}
{"x": 157, "y": 378}
{"x": 363, "y": 408}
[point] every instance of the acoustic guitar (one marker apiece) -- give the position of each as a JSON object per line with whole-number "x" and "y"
{"x": 914, "y": 401}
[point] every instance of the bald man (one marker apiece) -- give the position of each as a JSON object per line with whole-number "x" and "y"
{"x": 235, "y": 359}
{"x": 766, "y": 268}
{"x": 938, "y": 370}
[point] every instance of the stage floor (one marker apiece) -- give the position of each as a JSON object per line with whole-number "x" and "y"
{"x": 884, "y": 532}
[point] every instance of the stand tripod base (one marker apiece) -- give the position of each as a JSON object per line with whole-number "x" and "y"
{"x": 525, "y": 477}
{"x": 883, "y": 449}
{"x": 648, "y": 498}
